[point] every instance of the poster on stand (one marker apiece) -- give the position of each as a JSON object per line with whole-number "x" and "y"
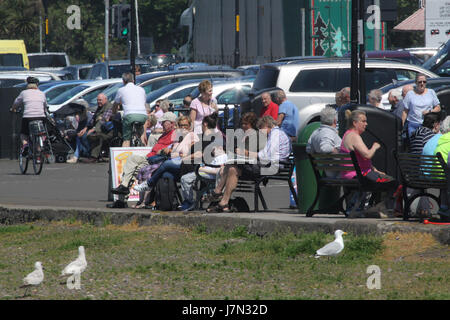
{"x": 118, "y": 158}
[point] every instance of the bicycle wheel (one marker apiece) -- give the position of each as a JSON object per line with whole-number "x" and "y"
{"x": 23, "y": 160}
{"x": 136, "y": 140}
{"x": 38, "y": 155}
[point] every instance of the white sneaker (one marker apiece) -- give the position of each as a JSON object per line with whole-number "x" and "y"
{"x": 72, "y": 160}
{"x": 142, "y": 187}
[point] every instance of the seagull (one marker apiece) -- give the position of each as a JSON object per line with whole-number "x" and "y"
{"x": 332, "y": 248}
{"x": 34, "y": 278}
{"x": 76, "y": 266}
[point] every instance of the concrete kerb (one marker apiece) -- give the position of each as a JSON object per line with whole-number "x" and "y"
{"x": 259, "y": 223}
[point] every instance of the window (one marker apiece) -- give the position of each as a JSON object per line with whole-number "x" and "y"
{"x": 266, "y": 78}
{"x": 375, "y": 78}
{"x": 403, "y": 74}
{"x": 11, "y": 60}
{"x": 47, "y": 60}
{"x": 180, "y": 94}
{"x": 318, "y": 80}
{"x": 233, "y": 96}
{"x": 93, "y": 94}
{"x": 152, "y": 86}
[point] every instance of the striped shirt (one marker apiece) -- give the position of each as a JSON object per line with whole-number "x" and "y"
{"x": 419, "y": 138}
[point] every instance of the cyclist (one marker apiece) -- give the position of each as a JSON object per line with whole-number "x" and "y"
{"x": 133, "y": 103}
{"x": 34, "y": 107}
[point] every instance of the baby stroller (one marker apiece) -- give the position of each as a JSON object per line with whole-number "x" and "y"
{"x": 62, "y": 131}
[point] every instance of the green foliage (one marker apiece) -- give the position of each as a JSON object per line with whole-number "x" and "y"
{"x": 16, "y": 228}
{"x": 20, "y": 20}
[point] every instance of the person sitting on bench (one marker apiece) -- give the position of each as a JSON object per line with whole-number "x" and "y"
{"x": 277, "y": 148}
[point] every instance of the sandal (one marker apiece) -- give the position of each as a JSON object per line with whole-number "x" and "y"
{"x": 219, "y": 208}
{"x": 138, "y": 205}
{"x": 212, "y": 197}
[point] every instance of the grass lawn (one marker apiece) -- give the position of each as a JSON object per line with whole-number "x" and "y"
{"x": 170, "y": 262}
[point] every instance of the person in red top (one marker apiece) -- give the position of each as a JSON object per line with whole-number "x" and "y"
{"x": 136, "y": 162}
{"x": 270, "y": 108}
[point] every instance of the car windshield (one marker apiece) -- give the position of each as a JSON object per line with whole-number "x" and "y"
{"x": 438, "y": 59}
{"x": 116, "y": 71}
{"x": 47, "y": 60}
{"x": 53, "y": 92}
{"x": 159, "y": 92}
{"x": 68, "y": 94}
{"x": 109, "y": 92}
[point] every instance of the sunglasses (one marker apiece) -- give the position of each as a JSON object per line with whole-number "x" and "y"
{"x": 419, "y": 82}
{"x": 185, "y": 125}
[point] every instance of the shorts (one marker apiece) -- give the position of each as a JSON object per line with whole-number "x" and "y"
{"x": 250, "y": 171}
{"x": 128, "y": 121}
{"x": 25, "y": 121}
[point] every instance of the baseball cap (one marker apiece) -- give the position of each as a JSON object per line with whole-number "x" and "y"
{"x": 168, "y": 116}
{"x": 32, "y": 80}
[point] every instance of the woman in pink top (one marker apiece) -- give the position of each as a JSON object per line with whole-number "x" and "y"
{"x": 352, "y": 141}
{"x": 202, "y": 106}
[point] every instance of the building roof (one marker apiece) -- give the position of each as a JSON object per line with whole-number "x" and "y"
{"x": 415, "y": 22}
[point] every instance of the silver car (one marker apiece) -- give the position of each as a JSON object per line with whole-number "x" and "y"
{"x": 313, "y": 83}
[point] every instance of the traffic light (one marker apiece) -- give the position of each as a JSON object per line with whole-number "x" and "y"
{"x": 124, "y": 20}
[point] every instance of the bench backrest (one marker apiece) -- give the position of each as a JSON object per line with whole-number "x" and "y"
{"x": 422, "y": 171}
{"x": 331, "y": 162}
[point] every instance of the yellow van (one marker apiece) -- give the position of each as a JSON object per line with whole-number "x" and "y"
{"x": 13, "y": 54}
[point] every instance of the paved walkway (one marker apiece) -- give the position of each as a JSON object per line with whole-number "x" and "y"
{"x": 65, "y": 191}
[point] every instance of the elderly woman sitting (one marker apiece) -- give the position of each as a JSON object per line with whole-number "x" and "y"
{"x": 266, "y": 162}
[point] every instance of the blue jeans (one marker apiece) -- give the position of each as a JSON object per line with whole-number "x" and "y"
{"x": 83, "y": 146}
{"x": 172, "y": 166}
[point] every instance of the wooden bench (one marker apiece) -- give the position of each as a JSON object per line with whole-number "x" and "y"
{"x": 421, "y": 172}
{"x": 253, "y": 186}
{"x": 339, "y": 163}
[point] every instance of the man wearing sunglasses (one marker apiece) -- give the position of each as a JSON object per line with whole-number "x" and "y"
{"x": 419, "y": 102}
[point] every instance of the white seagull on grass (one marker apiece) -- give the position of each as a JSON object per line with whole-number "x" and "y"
{"x": 332, "y": 248}
{"x": 34, "y": 278}
{"x": 76, "y": 266}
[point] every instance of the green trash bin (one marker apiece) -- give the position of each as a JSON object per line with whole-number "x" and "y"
{"x": 306, "y": 180}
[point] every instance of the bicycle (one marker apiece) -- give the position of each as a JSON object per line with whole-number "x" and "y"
{"x": 136, "y": 133}
{"x": 39, "y": 148}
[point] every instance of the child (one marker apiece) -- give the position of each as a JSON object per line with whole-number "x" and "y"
{"x": 188, "y": 180}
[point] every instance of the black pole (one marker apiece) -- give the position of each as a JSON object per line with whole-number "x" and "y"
{"x": 133, "y": 38}
{"x": 46, "y": 29}
{"x": 362, "y": 58}
{"x": 354, "y": 57}
{"x": 237, "y": 57}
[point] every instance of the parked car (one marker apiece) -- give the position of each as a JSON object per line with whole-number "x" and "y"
{"x": 309, "y": 82}
{"x": 161, "y": 61}
{"x": 229, "y": 93}
{"x": 175, "y": 92}
{"x": 438, "y": 63}
{"x": 423, "y": 54}
{"x": 432, "y": 83}
{"x": 250, "y": 69}
{"x": 403, "y": 56}
{"x": 115, "y": 69}
{"x": 81, "y": 93}
{"x": 11, "y": 78}
{"x": 79, "y": 71}
{"x": 48, "y": 61}
{"x": 155, "y": 80}
{"x": 54, "y": 88}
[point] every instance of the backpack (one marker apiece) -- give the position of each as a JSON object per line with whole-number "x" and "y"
{"x": 166, "y": 194}
{"x": 239, "y": 204}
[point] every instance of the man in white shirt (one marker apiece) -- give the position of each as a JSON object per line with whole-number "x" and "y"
{"x": 132, "y": 98}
